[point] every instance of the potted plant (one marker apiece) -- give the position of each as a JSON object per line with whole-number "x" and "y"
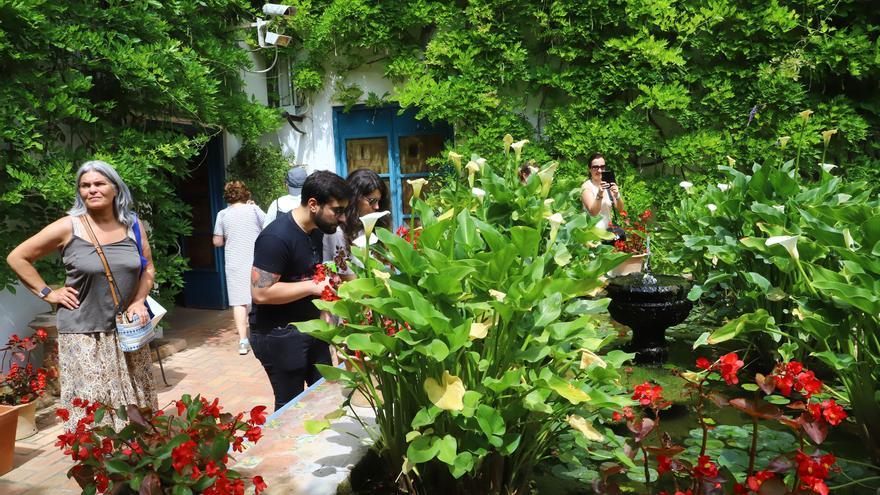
{"x": 23, "y": 383}
{"x": 158, "y": 453}
{"x": 633, "y": 242}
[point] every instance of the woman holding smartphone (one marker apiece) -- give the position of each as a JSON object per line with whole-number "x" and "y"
{"x": 600, "y": 193}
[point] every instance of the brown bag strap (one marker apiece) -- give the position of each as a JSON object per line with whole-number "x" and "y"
{"x": 113, "y": 288}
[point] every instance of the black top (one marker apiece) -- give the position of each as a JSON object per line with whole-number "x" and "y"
{"x": 285, "y": 249}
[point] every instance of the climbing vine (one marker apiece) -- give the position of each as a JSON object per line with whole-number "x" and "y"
{"x": 142, "y": 85}
{"x": 671, "y": 86}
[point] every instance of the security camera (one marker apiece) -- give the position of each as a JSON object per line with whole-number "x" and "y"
{"x": 277, "y": 39}
{"x": 278, "y": 9}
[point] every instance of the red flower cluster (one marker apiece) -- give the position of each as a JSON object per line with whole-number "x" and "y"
{"x": 648, "y": 395}
{"x": 828, "y": 410}
{"x": 728, "y": 366}
{"x": 635, "y": 230}
{"x": 409, "y": 236}
{"x": 201, "y": 434}
{"x": 813, "y": 471}
{"x": 755, "y": 481}
{"x": 24, "y": 382}
{"x": 321, "y": 274}
{"x": 792, "y": 375}
{"x": 705, "y": 468}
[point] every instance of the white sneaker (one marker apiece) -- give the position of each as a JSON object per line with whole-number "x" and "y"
{"x": 244, "y": 348}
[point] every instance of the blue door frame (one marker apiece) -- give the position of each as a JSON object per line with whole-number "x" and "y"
{"x": 205, "y": 281}
{"x": 363, "y": 122}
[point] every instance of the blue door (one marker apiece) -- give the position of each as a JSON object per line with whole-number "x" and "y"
{"x": 396, "y": 146}
{"x": 205, "y": 281}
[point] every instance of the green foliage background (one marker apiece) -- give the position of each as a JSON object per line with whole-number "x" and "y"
{"x": 663, "y": 88}
{"x": 84, "y": 79}
{"x": 262, "y": 169}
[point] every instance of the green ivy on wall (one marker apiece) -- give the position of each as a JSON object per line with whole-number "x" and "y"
{"x": 88, "y": 79}
{"x": 679, "y": 85}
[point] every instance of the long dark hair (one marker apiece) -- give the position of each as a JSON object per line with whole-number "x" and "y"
{"x": 360, "y": 183}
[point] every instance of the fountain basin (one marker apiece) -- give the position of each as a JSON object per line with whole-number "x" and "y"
{"x": 649, "y": 307}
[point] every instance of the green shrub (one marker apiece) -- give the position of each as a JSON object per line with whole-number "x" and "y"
{"x": 262, "y": 169}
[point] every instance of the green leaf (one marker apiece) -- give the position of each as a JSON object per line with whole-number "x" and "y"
{"x": 462, "y": 464}
{"x": 315, "y": 426}
{"x": 490, "y": 420}
{"x": 118, "y": 467}
{"x": 446, "y": 449}
{"x": 423, "y": 449}
{"x": 219, "y": 448}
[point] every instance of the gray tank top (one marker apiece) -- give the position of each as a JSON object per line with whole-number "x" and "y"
{"x": 85, "y": 273}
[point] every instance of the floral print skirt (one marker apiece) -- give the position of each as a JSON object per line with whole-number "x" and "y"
{"x": 94, "y": 368}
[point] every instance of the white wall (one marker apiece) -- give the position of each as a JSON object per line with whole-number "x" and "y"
{"x": 315, "y": 148}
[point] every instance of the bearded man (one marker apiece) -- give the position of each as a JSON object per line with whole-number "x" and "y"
{"x": 285, "y": 256}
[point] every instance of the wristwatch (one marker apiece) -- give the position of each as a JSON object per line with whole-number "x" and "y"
{"x": 45, "y": 291}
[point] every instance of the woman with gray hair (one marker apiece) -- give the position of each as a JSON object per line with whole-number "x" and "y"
{"x": 92, "y": 366}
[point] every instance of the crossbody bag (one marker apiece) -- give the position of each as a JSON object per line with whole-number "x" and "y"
{"x": 132, "y": 334}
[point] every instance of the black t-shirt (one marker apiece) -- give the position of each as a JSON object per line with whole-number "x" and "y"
{"x": 284, "y": 248}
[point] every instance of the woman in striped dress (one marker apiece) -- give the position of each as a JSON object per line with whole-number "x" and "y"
{"x": 237, "y": 228}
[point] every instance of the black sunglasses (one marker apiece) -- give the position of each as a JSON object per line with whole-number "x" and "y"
{"x": 373, "y": 201}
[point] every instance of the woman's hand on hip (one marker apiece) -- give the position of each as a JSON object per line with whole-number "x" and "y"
{"x": 140, "y": 309}
{"x": 65, "y": 296}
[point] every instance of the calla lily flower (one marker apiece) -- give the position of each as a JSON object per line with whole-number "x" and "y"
{"x": 518, "y": 146}
{"x": 508, "y": 140}
{"x": 499, "y": 296}
{"x": 828, "y": 167}
{"x": 384, "y": 277}
{"x": 789, "y": 242}
{"x": 455, "y": 158}
{"x": 479, "y": 330}
{"x": 361, "y": 240}
{"x": 712, "y": 208}
{"x": 724, "y": 187}
{"x": 589, "y": 357}
{"x": 686, "y": 185}
{"x": 417, "y": 185}
{"x": 805, "y": 115}
{"x": 479, "y": 193}
{"x": 370, "y": 220}
{"x": 447, "y": 394}
{"x": 826, "y": 136}
{"x": 784, "y": 141}
{"x": 582, "y": 425}
{"x": 848, "y": 239}
{"x": 472, "y": 169}
{"x": 482, "y": 163}
{"x": 730, "y": 161}
{"x": 555, "y": 221}
{"x": 546, "y": 177}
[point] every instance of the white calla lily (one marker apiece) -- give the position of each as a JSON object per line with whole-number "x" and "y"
{"x": 784, "y": 141}
{"x": 724, "y": 187}
{"x": 712, "y": 208}
{"x": 518, "y": 146}
{"x": 498, "y": 295}
{"x": 828, "y": 167}
{"x": 479, "y": 193}
{"x": 455, "y": 158}
{"x": 789, "y": 242}
{"x": 508, "y": 140}
{"x": 472, "y": 169}
{"x": 417, "y": 185}
{"x": 479, "y": 330}
{"x": 686, "y": 185}
{"x": 370, "y": 220}
{"x": 546, "y": 177}
{"x": 555, "y": 221}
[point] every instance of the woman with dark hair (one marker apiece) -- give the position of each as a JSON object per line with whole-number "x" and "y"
{"x": 237, "y": 228}
{"x": 599, "y": 197}
{"x": 368, "y": 194}
{"x": 92, "y": 365}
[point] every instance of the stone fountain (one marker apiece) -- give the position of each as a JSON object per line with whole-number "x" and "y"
{"x": 649, "y": 304}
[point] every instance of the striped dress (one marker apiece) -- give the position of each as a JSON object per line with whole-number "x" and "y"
{"x": 239, "y": 224}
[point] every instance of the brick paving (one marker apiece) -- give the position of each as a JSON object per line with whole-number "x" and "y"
{"x": 210, "y": 365}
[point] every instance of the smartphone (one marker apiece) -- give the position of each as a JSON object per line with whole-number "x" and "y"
{"x": 608, "y": 176}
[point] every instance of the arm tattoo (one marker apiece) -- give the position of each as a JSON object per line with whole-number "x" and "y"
{"x": 261, "y": 279}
